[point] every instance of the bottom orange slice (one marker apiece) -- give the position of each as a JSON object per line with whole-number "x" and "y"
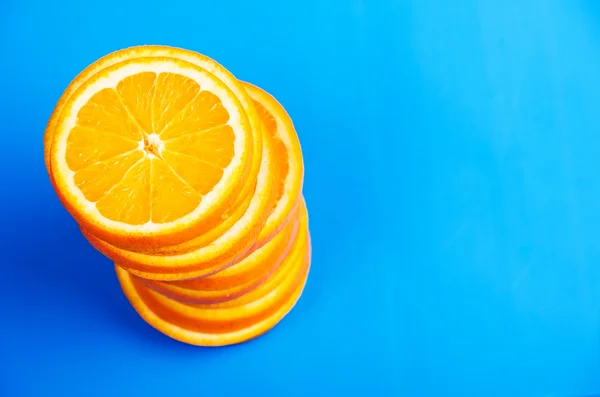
{"x": 219, "y": 325}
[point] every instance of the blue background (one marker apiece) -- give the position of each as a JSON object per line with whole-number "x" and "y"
{"x": 452, "y": 152}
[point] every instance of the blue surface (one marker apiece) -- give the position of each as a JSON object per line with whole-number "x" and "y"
{"x": 452, "y": 152}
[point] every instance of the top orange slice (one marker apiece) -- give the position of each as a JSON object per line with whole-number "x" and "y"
{"x": 207, "y": 234}
{"x": 149, "y": 150}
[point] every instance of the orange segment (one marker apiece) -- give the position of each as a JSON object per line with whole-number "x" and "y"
{"x": 138, "y": 93}
{"x": 173, "y": 94}
{"x": 165, "y": 197}
{"x": 213, "y": 146}
{"x": 193, "y": 118}
{"x": 172, "y": 196}
{"x": 104, "y": 112}
{"x": 200, "y": 175}
{"x": 129, "y": 200}
{"x": 86, "y": 146}
{"x": 96, "y": 180}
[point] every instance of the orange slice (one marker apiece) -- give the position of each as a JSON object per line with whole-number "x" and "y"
{"x": 241, "y": 278}
{"x": 218, "y": 326}
{"x": 223, "y": 252}
{"x": 237, "y": 208}
{"x": 150, "y": 150}
{"x": 217, "y": 318}
{"x": 288, "y": 159}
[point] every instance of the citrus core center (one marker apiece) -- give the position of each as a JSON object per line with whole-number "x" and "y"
{"x": 152, "y": 145}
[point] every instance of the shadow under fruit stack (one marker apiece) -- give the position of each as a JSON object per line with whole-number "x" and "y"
{"x": 191, "y": 182}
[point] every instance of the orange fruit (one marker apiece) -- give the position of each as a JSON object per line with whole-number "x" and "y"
{"x": 288, "y": 160}
{"x": 125, "y": 163}
{"x": 191, "y": 182}
{"x": 223, "y": 252}
{"x": 230, "y": 215}
{"x": 240, "y": 278}
{"x": 221, "y": 324}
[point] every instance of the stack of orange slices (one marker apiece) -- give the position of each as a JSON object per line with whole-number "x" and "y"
{"x": 190, "y": 181}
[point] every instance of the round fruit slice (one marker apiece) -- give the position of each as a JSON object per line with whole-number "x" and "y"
{"x": 147, "y": 51}
{"x": 234, "y": 212}
{"x": 150, "y": 151}
{"x": 247, "y": 275}
{"x": 288, "y": 159}
{"x": 189, "y": 330}
{"x": 225, "y": 251}
{"x": 214, "y": 318}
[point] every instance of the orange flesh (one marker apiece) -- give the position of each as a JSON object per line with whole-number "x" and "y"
{"x": 150, "y": 149}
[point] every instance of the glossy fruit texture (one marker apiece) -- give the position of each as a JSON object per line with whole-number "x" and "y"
{"x": 191, "y": 182}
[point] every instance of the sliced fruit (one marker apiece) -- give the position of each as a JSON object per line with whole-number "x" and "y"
{"x": 163, "y": 51}
{"x": 214, "y": 330}
{"x": 223, "y": 252}
{"x": 247, "y": 275}
{"x": 288, "y": 159}
{"x": 150, "y": 107}
{"x": 215, "y": 318}
{"x": 236, "y": 209}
